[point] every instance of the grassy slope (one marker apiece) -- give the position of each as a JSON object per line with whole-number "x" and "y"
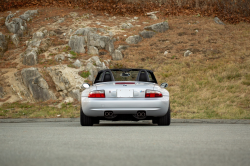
{"x": 214, "y": 81}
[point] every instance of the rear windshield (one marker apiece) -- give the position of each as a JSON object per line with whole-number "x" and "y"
{"x": 125, "y": 76}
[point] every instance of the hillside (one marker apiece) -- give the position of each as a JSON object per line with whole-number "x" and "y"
{"x": 42, "y": 59}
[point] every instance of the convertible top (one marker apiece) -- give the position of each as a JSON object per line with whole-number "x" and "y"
{"x": 143, "y": 75}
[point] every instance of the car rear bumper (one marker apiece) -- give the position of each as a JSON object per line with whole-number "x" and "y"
{"x": 96, "y": 107}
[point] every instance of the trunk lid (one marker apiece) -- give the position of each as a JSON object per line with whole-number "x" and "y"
{"x": 121, "y": 89}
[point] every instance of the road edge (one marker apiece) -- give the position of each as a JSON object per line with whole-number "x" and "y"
{"x": 212, "y": 121}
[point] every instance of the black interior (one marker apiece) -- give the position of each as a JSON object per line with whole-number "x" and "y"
{"x": 143, "y": 77}
{"x": 107, "y": 77}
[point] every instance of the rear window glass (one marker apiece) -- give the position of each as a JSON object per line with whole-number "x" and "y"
{"x": 125, "y": 76}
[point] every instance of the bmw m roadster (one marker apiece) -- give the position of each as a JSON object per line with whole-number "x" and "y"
{"x": 125, "y": 94}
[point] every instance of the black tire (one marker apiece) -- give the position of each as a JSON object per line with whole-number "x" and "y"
{"x": 85, "y": 120}
{"x": 155, "y": 120}
{"x": 166, "y": 119}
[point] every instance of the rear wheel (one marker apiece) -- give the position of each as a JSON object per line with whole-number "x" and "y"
{"x": 85, "y": 120}
{"x": 166, "y": 119}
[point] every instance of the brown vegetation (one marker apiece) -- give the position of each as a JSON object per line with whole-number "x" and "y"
{"x": 228, "y": 10}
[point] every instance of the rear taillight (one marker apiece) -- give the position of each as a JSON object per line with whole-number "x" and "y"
{"x": 97, "y": 94}
{"x": 153, "y": 93}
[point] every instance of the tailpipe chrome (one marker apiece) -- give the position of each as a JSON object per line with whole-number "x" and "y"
{"x": 109, "y": 114}
{"x": 140, "y": 115}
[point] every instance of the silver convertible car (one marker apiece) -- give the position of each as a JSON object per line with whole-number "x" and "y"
{"x": 125, "y": 94}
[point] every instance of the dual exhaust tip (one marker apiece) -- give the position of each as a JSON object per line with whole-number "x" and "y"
{"x": 108, "y": 114}
{"x": 138, "y": 115}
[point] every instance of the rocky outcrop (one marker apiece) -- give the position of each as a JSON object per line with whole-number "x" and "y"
{"x": 100, "y": 42}
{"x": 29, "y": 14}
{"x": 133, "y": 39}
{"x": 159, "y": 27}
{"x": 75, "y": 93}
{"x": 77, "y": 43}
{"x": 122, "y": 47}
{"x": 3, "y": 44}
{"x": 147, "y": 34}
{"x": 61, "y": 82}
{"x": 16, "y": 25}
{"x": 36, "y": 46}
{"x": 117, "y": 55}
{"x": 36, "y": 84}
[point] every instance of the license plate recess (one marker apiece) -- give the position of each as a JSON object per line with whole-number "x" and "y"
{"x": 125, "y": 92}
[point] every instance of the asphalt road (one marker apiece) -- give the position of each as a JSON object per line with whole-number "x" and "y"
{"x": 124, "y": 144}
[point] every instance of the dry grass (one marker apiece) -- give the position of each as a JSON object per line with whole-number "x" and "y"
{"x": 214, "y": 81}
{"x": 39, "y": 110}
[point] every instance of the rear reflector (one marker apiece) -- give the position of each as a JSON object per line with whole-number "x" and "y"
{"x": 124, "y": 83}
{"x": 152, "y": 93}
{"x": 97, "y": 94}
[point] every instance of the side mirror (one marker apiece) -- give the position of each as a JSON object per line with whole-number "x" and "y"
{"x": 85, "y": 85}
{"x": 164, "y": 85}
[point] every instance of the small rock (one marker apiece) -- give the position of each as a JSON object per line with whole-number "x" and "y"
{"x": 117, "y": 55}
{"x": 147, "y": 34}
{"x": 64, "y": 34}
{"x": 166, "y": 53}
{"x": 15, "y": 39}
{"x": 58, "y": 115}
{"x": 133, "y": 39}
{"x": 136, "y": 18}
{"x": 59, "y": 57}
{"x": 122, "y": 47}
{"x": 77, "y": 64}
{"x": 218, "y": 21}
{"x": 68, "y": 100}
{"x": 159, "y": 27}
{"x": 196, "y": 31}
{"x": 187, "y": 53}
{"x": 153, "y": 16}
{"x": 126, "y": 26}
{"x": 93, "y": 50}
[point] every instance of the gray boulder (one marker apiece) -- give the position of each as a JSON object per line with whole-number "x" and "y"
{"x": 147, "y": 34}
{"x": 117, "y": 55}
{"x": 16, "y": 25}
{"x": 30, "y": 57}
{"x": 3, "y": 44}
{"x": 77, "y": 43}
{"x": 100, "y": 42}
{"x": 77, "y": 63}
{"x": 93, "y": 50}
{"x": 28, "y": 14}
{"x": 61, "y": 82}
{"x": 218, "y": 21}
{"x": 133, "y": 39}
{"x": 84, "y": 32}
{"x": 126, "y": 26}
{"x": 36, "y": 84}
{"x": 159, "y": 27}
{"x": 92, "y": 70}
{"x": 15, "y": 39}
